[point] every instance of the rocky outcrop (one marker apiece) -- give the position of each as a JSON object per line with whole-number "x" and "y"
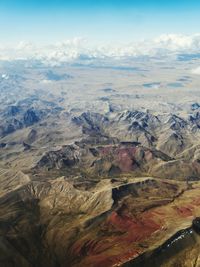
{"x": 103, "y": 160}
{"x": 91, "y": 123}
{"x": 30, "y": 117}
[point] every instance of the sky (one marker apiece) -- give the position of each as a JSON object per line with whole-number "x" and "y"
{"x": 105, "y": 21}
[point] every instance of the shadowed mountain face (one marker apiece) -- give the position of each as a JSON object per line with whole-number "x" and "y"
{"x": 93, "y": 175}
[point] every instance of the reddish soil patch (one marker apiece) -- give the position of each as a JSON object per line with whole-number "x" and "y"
{"x": 125, "y": 159}
{"x": 123, "y": 232}
{"x": 136, "y": 229}
{"x": 122, "y": 157}
{"x": 185, "y": 211}
{"x": 148, "y": 155}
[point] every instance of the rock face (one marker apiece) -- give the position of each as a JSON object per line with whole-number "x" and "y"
{"x": 30, "y": 117}
{"x": 103, "y": 160}
{"x": 12, "y": 110}
{"x": 121, "y": 158}
{"x": 169, "y": 133}
{"x": 196, "y": 225}
{"x": 32, "y": 136}
{"x": 25, "y": 114}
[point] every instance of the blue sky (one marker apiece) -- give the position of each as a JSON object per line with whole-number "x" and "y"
{"x": 99, "y": 21}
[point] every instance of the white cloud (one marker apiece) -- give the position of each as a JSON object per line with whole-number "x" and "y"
{"x": 196, "y": 71}
{"x": 80, "y": 48}
{"x": 28, "y": 46}
{"x": 174, "y": 41}
{"x": 46, "y": 81}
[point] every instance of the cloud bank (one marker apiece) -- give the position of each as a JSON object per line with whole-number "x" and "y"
{"x": 81, "y": 49}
